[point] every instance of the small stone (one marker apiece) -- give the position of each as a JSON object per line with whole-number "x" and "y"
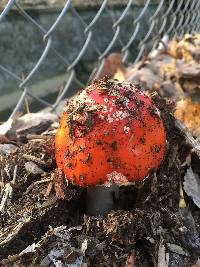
{"x": 7, "y": 149}
{"x": 33, "y": 168}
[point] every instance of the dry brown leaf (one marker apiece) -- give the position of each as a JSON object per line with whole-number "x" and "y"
{"x": 145, "y": 76}
{"x": 177, "y": 249}
{"x": 7, "y": 149}
{"x": 183, "y": 52}
{"x": 4, "y": 139}
{"x": 190, "y": 86}
{"x": 182, "y": 203}
{"x": 130, "y": 262}
{"x": 113, "y": 62}
{"x": 170, "y": 69}
{"x": 119, "y": 75}
{"x": 5, "y": 127}
{"x": 189, "y": 70}
{"x": 183, "y": 49}
{"x": 188, "y": 112}
{"x": 197, "y": 264}
{"x": 59, "y": 185}
{"x": 173, "y": 48}
{"x": 163, "y": 257}
{"x": 192, "y": 186}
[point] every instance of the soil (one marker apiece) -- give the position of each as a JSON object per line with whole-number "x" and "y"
{"x": 145, "y": 228}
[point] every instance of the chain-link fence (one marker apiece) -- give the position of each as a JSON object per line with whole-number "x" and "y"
{"x": 131, "y": 28}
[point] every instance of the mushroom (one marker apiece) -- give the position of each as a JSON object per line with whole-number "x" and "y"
{"x": 110, "y": 134}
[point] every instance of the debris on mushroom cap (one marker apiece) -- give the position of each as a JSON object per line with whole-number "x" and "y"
{"x": 110, "y": 132}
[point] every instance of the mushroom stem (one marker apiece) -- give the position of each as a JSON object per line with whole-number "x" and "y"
{"x": 100, "y": 199}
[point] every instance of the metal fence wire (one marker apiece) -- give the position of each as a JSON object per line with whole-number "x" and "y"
{"x": 170, "y": 17}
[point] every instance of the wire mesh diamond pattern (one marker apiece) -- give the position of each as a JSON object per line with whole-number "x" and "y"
{"x": 171, "y": 18}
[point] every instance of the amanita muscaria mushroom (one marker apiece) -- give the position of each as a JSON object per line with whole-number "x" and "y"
{"x": 110, "y": 133}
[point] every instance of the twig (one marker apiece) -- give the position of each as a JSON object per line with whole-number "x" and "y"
{"x": 9, "y": 260}
{"x": 130, "y": 262}
{"x": 23, "y": 76}
{"x": 13, "y": 233}
{"x": 182, "y": 203}
{"x": 27, "y": 105}
{"x": 37, "y": 182}
{"x": 1, "y": 182}
{"x": 163, "y": 257}
{"x": 190, "y": 139}
{"x": 6, "y": 169}
{"x": 13, "y": 180}
{"x": 49, "y": 188}
{"x": 8, "y": 190}
{"x": 37, "y": 137}
{"x": 34, "y": 159}
{"x": 6, "y": 194}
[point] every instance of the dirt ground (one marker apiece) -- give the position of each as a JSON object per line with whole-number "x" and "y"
{"x": 146, "y": 228}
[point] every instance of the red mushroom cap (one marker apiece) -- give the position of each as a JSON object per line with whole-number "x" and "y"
{"x": 111, "y": 132}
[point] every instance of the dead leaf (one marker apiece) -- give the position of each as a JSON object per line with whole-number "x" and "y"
{"x": 5, "y": 127}
{"x": 188, "y": 112}
{"x": 163, "y": 257}
{"x": 190, "y": 86}
{"x": 189, "y": 70}
{"x": 59, "y": 184}
{"x": 7, "y": 149}
{"x": 4, "y": 139}
{"x": 185, "y": 50}
{"x": 33, "y": 168}
{"x": 170, "y": 69}
{"x": 197, "y": 264}
{"x": 113, "y": 62}
{"x": 191, "y": 186}
{"x": 173, "y": 48}
{"x": 32, "y": 123}
{"x": 130, "y": 262}
{"x": 188, "y": 136}
{"x": 177, "y": 249}
{"x": 182, "y": 203}
{"x": 162, "y": 47}
{"x": 172, "y": 90}
{"x": 144, "y": 76}
{"x": 119, "y": 75}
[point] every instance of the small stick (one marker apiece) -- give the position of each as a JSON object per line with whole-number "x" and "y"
{"x": 25, "y": 99}
{"x": 7, "y": 171}
{"x": 1, "y": 182}
{"x": 6, "y": 194}
{"x": 49, "y": 188}
{"x": 8, "y": 190}
{"x": 27, "y": 105}
{"x": 37, "y": 137}
{"x": 32, "y": 158}
{"x": 37, "y": 182}
{"x": 190, "y": 139}
{"x": 130, "y": 261}
{"x": 182, "y": 203}
{"x": 14, "y": 175}
{"x": 15, "y": 230}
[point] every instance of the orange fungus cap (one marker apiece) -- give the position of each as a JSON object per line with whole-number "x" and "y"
{"x": 111, "y": 132}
